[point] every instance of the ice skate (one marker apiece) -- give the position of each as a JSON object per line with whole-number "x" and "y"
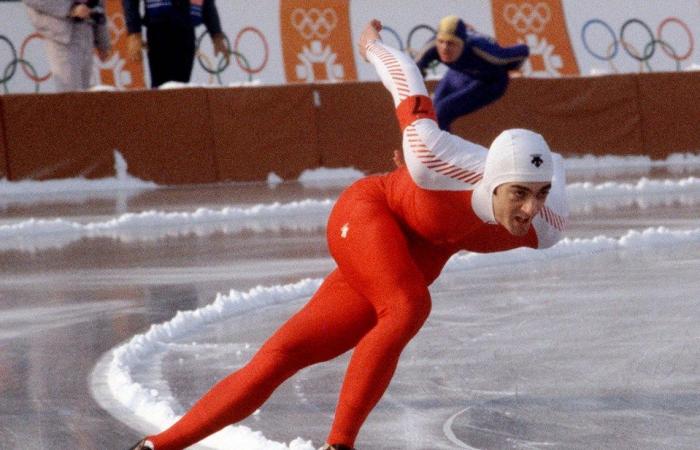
{"x": 143, "y": 445}
{"x": 335, "y": 447}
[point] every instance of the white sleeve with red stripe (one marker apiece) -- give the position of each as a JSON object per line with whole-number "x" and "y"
{"x": 550, "y": 223}
{"x": 436, "y": 160}
{"x": 399, "y": 73}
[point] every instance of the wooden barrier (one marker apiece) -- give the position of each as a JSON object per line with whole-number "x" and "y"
{"x": 256, "y": 131}
{"x": 356, "y": 126}
{"x": 576, "y": 115}
{"x": 669, "y": 108}
{"x": 164, "y": 136}
{"x": 3, "y": 144}
{"x": 198, "y": 135}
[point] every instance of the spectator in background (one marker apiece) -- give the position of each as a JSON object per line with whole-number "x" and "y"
{"x": 478, "y": 69}
{"x": 71, "y": 29}
{"x": 170, "y": 35}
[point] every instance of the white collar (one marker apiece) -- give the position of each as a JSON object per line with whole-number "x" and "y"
{"x": 482, "y": 203}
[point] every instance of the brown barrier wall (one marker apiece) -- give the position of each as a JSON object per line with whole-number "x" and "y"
{"x": 356, "y": 126}
{"x": 256, "y": 131}
{"x": 3, "y": 144}
{"x": 670, "y": 112}
{"x": 576, "y": 115}
{"x": 164, "y": 136}
{"x": 200, "y": 135}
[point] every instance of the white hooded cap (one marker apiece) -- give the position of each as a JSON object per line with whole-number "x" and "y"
{"x": 516, "y": 155}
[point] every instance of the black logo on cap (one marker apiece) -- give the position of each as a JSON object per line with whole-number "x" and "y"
{"x": 537, "y": 160}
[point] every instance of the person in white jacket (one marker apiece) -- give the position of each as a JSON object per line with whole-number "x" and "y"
{"x": 71, "y": 30}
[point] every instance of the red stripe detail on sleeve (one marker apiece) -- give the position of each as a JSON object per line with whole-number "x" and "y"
{"x": 428, "y": 158}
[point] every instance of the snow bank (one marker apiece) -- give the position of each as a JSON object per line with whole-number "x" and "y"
{"x": 141, "y": 347}
{"x": 122, "y": 181}
{"x": 607, "y": 163}
{"x": 36, "y": 234}
{"x": 323, "y": 177}
{"x": 316, "y": 177}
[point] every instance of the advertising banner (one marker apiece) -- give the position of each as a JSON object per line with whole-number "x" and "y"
{"x": 253, "y": 36}
{"x": 634, "y": 36}
{"x": 300, "y": 41}
{"x": 540, "y": 25}
{"x": 317, "y": 41}
{"x": 23, "y": 65}
{"x": 118, "y": 70}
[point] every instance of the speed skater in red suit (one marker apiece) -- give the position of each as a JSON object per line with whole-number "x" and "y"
{"x": 390, "y": 236}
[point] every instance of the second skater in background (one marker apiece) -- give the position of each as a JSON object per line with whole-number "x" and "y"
{"x": 478, "y": 69}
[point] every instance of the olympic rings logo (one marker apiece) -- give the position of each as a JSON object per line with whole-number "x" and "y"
{"x": 218, "y": 68}
{"x": 314, "y": 23}
{"x": 20, "y": 60}
{"x": 641, "y": 53}
{"x": 417, "y": 38}
{"x": 526, "y": 17}
{"x": 413, "y": 42}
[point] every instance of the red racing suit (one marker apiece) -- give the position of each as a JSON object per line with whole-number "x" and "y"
{"x": 390, "y": 236}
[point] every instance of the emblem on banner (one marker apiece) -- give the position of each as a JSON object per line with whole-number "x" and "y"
{"x": 527, "y": 18}
{"x": 314, "y": 23}
{"x": 540, "y": 25}
{"x": 316, "y": 41}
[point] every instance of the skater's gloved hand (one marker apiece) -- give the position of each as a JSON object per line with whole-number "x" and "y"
{"x": 370, "y": 33}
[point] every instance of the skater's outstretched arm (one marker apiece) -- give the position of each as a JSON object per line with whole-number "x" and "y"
{"x": 436, "y": 160}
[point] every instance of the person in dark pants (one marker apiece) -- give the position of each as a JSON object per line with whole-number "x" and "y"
{"x": 478, "y": 69}
{"x": 170, "y": 35}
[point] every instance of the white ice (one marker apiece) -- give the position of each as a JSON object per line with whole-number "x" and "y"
{"x": 30, "y": 235}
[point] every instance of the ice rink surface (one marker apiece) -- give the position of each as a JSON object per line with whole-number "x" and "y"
{"x": 594, "y": 344}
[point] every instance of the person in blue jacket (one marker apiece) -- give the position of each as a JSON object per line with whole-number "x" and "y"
{"x": 477, "y": 69}
{"x": 170, "y": 35}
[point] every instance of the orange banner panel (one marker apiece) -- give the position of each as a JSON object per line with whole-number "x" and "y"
{"x": 316, "y": 40}
{"x": 119, "y": 70}
{"x": 542, "y": 26}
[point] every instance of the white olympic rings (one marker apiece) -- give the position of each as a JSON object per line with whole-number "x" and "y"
{"x": 527, "y": 17}
{"x": 314, "y": 23}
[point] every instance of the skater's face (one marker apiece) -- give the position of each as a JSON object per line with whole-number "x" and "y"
{"x": 449, "y": 49}
{"x": 516, "y": 204}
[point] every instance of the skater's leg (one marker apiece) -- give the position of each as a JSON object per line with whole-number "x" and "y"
{"x": 373, "y": 255}
{"x": 436, "y": 159}
{"x": 472, "y": 95}
{"x": 330, "y": 324}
